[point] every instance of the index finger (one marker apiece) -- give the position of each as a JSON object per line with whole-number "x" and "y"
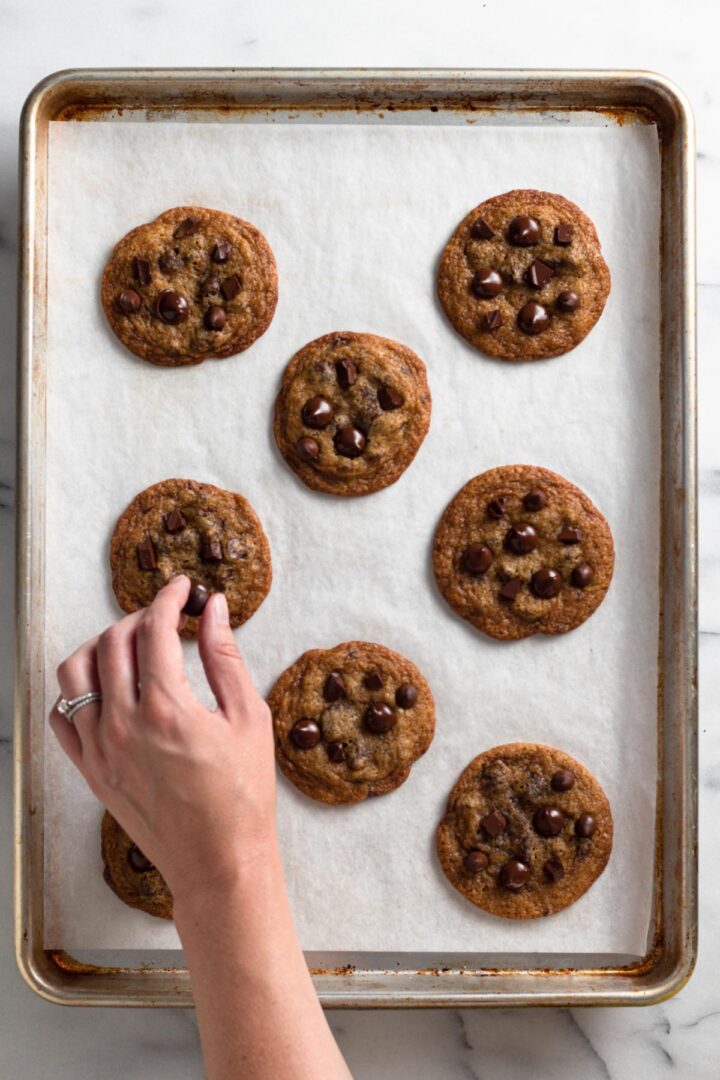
{"x": 158, "y": 649}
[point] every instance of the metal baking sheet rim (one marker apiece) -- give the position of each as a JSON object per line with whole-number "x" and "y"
{"x": 93, "y": 94}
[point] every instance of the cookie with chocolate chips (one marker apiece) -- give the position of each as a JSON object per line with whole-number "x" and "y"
{"x": 523, "y": 277}
{"x": 192, "y": 284}
{"x": 352, "y": 412}
{"x": 350, "y": 721}
{"x": 130, "y": 875}
{"x": 520, "y": 551}
{"x": 526, "y": 832}
{"x": 183, "y": 527}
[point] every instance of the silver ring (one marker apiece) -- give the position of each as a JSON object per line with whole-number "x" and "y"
{"x": 68, "y": 708}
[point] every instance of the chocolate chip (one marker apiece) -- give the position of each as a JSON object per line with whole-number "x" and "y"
{"x": 379, "y": 718}
{"x": 546, "y": 583}
{"x": 406, "y": 696}
{"x": 548, "y": 821}
{"x": 563, "y": 235}
{"x": 171, "y": 307}
{"x": 494, "y": 823}
{"x": 523, "y": 231}
{"x": 197, "y": 599}
{"x": 317, "y": 412}
{"x": 146, "y": 554}
{"x": 491, "y": 320}
{"x": 234, "y": 549}
{"x": 582, "y": 575}
{"x": 511, "y": 588}
{"x": 538, "y": 274}
{"x": 497, "y": 507}
{"x": 221, "y": 251}
{"x": 585, "y": 826}
{"x": 187, "y": 227}
{"x": 308, "y": 450}
{"x": 475, "y": 861}
{"x": 211, "y": 551}
{"x": 570, "y": 535}
{"x": 389, "y": 398}
{"x": 231, "y": 287}
{"x": 129, "y": 301}
{"x": 567, "y": 301}
{"x": 487, "y": 283}
{"x": 476, "y": 559}
{"x": 347, "y": 373}
{"x": 141, "y": 270}
{"x": 174, "y": 521}
{"x": 373, "y": 680}
{"x": 562, "y": 780}
{"x": 553, "y": 870}
{"x": 139, "y": 862}
{"x": 349, "y": 441}
{"x": 214, "y": 318}
{"x": 334, "y": 687}
{"x": 533, "y": 318}
{"x": 480, "y": 230}
{"x": 521, "y": 538}
{"x": 210, "y": 287}
{"x": 514, "y": 874}
{"x": 305, "y": 733}
{"x": 170, "y": 261}
{"x": 336, "y": 752}
{"x": 535, "y": 500}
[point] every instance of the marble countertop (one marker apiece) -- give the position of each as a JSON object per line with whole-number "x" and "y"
{"x": 679, "y": 1037}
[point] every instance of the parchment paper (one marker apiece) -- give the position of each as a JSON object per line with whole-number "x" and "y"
{"x": 357, "y": 214}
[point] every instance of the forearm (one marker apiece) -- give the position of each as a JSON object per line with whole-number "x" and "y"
{"x": 258, "y": 1013}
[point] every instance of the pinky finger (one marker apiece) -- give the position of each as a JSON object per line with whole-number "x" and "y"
{"x": 68, "y": 737}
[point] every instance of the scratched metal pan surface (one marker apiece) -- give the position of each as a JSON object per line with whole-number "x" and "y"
{"x": 364, "y": 980}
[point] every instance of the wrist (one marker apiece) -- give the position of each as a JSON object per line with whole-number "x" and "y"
{"x": 254, "y": 876}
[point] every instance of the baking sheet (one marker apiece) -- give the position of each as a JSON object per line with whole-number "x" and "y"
{"x": 357, "y": 214}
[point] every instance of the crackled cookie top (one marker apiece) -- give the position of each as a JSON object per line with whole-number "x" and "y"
{"x": 352, "y": 412}
{"x": 350, "y": 721}
{"x": 522, "y": 277}
{"x": 520, "y": 551}
{"x": 130, "y": 874}
{"x": 191, "y": 284}
{"x": 184, "y": 527}
{"x": 526, "y": 832}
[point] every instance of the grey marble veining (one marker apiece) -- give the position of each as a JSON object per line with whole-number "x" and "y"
{"x": 679, "y": 1038}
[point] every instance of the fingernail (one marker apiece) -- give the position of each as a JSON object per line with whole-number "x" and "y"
{"x": 219, "y": 608}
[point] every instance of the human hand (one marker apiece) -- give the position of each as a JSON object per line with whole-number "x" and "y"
{"x": 193, "y": 787}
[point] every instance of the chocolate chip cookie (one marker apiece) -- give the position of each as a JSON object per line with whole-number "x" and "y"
{"x": 192, "y": 284}
{"x": 130, "y": 874}
{"x": 350, "y": 721}
{"x": 352, "y": 412}
{"x": 520, "y": 551}
{"x": 522, "y": 277}
{"x": 526, "y": 832}
{"x": 183, "y": 527}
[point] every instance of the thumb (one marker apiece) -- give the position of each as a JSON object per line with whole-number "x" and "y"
{"x": 224, "y": 666}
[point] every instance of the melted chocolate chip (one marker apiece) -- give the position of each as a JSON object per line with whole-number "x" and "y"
{"x": 533, "y": 318}
{"x": 582, "y": 575}
{"x": 476, "y": 559}
{"x": 197, "y": 599}
{"x": 210, "y": 287}
{"x": 497, "y": 507}
{"x": 389, "y": 398}
{"x": 373, "y": 680}
{"x": 535, "y": 500}
{"x": 570, "y": 535}
{"x": 129, "y": 301}
{"x": 487, "y": 283}
{"x": 562, "y": 780}
{"x": 349, "y": 441}
{"x": 379, "y": 718}
{"x": 405, "y": 696}
{"x": 334, "y": 687}
{"x": 538, "y": 274}
{"x": 510, "y": 589}
{"x": 494, "y": 823}
{"x": 234, "y": 549}
{"x": 514, "y": 874}
{"x": 475, "y": 861}
{"x": 546, "y": 583}
{"x": 523, "y": 231}
{"x": 174, "y": 521}
{"x": 336, "y": 752}
{"x": 170, "y": 261}
{"x": 563, "y": 235}
{"x": 221, "y": 251}
{"x": 171, "y": 307}
{"x": 211, "y": 551}
{"x": 141, "y": 270}
{"x": 231, "y": 287}
{"x": 187, "y": 227}
{"x": 214, "y": 318}
{"x": 567, "y": 301}
{"x": 347, "y": 373}
{"x": 146, "y": 554}
{"x": 317, "y": 412}
{"x": 553, "y": 870}
{"x": 548, "y": 821}
{"x": 139, "y": 862}
{"x": 585, "y": 826}
{"x": 480, "y": 230}
{"x": 308, "y": 450}
{"x": 521, "y": 538}
{"x": 305, "y": 733}
{"x": 490, "y": 321}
